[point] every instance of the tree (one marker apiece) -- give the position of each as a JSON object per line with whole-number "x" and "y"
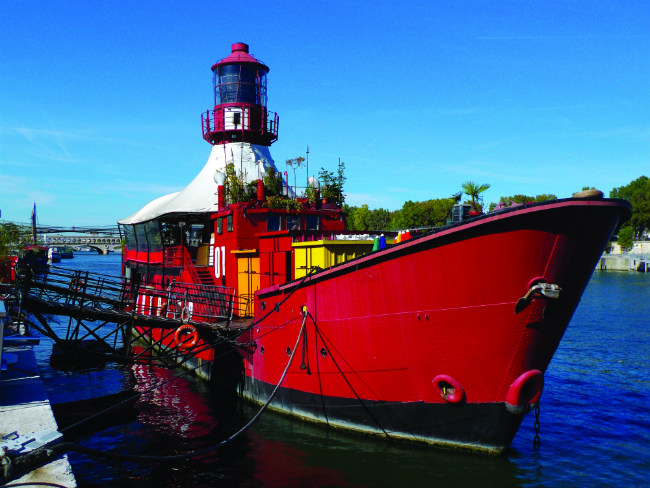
{"x": 473, "y": 191}
{"x": 626, "y": 238}
{"x": 294, "y": 163}
{"x": 637, "y": 193}
{"x": 332, "y": 184}
{"x": 544, "y": 197}
{"x": 272, "y": 183}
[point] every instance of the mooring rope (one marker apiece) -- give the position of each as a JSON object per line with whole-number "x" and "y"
{"x": 363, "y": 404}
{"x": 42, "y": 455}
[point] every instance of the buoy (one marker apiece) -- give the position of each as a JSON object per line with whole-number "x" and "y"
{"x": 407, "y": 235}
{"x": 525, "y": 391}
{"x": 186, "y": 336}
{"x": 375, "y": 244}
{"x": 398, "y": 239}
{"x": 450, "y": 390}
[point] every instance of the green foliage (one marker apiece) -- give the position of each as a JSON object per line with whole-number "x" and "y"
{"x": 637, "y": 193}
{"x": 281, "y": 201}
{"x": 11, "y": 238}
{"x": 430, "y": 213}
{"x": 272, "y": 183}
{"x": 234, "y": 185}
{"x": 626, "y": 238}
{"x": 332, "y": 184}
{"x": 362, "y": 218}
{"x": 544, "y": 197}
{"x": 473, "y": 191}
{"x": 293, "y": 164}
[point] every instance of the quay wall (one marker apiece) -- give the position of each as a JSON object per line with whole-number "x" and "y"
{"x": 624, "y": 262}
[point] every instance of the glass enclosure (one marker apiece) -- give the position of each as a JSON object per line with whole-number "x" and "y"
{"x": 240, "y": 83}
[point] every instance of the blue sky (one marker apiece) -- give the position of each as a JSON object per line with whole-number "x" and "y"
{"x": 100, "y": 101}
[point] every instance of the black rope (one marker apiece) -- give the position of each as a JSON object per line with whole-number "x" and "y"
{"x": 43, "y": 455}
{"x": 363, "y": 404}
{"x": 276, "y": 307}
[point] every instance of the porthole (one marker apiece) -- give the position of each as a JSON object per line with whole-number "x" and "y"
{"x": 323, "y": 352}
{"x": 288, "y": 351}
{"x": 262, "y": 349}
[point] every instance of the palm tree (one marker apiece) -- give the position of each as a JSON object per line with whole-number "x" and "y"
{"x": 474, "y": 190}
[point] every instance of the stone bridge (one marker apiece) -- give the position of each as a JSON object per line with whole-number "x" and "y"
{"x": 101, "y": 244}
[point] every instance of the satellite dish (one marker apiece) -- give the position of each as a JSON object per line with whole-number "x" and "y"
{"x": 313, "y": 182}
{"x": 219, "y": 178}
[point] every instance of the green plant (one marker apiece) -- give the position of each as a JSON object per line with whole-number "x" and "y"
{"x": 332, "y": 184}
{"x": 473, "y": 191}
{"x": 280, "y": 201}
{"x": 272, "y": 183}
{"x": 234, "y": 185}
{"x": 310, "y": 194}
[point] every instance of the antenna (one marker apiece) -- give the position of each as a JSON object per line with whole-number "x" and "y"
{"x": 307, "y": 165}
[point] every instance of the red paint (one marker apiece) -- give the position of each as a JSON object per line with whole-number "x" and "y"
{"x": 395, "y": 326}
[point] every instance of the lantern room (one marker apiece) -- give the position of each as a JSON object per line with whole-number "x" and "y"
{"x": 240, "y": 113}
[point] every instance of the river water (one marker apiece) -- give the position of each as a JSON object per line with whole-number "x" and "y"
{"x": 595, "y": 419}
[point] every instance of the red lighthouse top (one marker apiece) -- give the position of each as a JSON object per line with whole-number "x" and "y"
{"x": 240, "y": 55}
{"x": 240, "y": 113}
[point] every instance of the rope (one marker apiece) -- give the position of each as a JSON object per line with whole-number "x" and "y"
{"x": 43, "y": 454}
{"x": 363, "y": 404}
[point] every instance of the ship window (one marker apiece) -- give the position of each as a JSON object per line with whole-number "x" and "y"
{"x": 311, "y": 222}
{"x": 293, "y": 222}
{"x": 219, "y": 225}
{"x": 129, "y": 236}
{"x": 170, "y": 233}
{"x": 196, "y": 235}
{"x": 229, "y": 223}
{"x": 153, "y": 236}
{"x": 141, "y": 236}
{"x": 273, "y": 223}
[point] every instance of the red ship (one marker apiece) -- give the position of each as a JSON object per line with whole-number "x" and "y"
{"x": 441, "y": 337}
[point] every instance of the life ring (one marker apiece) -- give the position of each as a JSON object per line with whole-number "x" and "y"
{"x": 186, "y": 336}
{"x": 525, "y": 391}
{"x": 450, "y": 390}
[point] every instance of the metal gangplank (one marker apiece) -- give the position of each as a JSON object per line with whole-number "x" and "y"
{"x": 111, "y": 312}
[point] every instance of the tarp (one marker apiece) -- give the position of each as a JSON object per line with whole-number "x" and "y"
{"x": 200, "y": 195}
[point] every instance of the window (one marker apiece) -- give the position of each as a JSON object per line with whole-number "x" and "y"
{"x": 273, "y": 223}
{"x": 293, "y": 222}
{"x": 229, "y": 223}
{"x": 311, "y": 222}
{"x": 153, "y": 236}
{"x": 141, "y": 235}
{"x": 219, "y": 225}
{"x": 129, "y": 236}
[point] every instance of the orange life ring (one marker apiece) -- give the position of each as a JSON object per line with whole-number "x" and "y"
{"x": 186, "y": 336}
{"x": 525, "y": 391}
{"x": 450, "y": 390}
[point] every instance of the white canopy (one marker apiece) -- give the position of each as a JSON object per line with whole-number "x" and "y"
{"x": 200, "y": 195}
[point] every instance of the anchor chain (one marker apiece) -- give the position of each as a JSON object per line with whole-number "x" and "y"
{"x": 536, "y": 426}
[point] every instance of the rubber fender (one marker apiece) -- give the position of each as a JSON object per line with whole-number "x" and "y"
{"x": 525, "y": 391}
{"x": 450, "y": 390}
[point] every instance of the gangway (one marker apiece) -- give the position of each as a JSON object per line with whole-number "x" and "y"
{"x": 107, "y": 313}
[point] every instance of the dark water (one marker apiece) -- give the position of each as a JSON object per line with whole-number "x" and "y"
{"x": 595, "y": 419}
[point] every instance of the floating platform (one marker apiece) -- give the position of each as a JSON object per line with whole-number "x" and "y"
{"x": 26, "y": 413}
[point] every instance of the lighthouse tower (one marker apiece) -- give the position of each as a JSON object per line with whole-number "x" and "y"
{"x": 240, "y": 127}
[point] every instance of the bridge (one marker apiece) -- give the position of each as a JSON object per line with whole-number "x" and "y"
{"x": 102, "y": 239}
{"x": 101, "y": 244}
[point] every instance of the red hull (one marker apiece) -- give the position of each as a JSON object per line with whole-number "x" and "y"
{"x": 380, "y": 328}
